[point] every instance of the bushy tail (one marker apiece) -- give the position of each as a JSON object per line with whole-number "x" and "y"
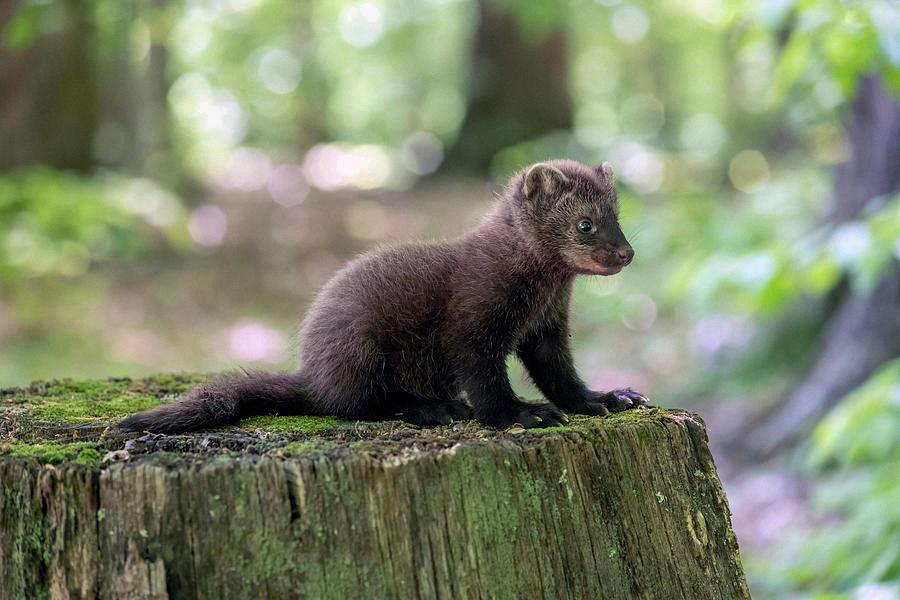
{"x": 223, "y": 400}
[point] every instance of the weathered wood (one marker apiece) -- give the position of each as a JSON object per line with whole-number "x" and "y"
{"x": 627, "y": 506}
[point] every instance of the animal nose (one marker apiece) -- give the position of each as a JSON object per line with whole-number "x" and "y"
{"x": 625, "y": 254}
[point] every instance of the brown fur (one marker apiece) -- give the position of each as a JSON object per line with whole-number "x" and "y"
{"x": 403, "y": 332}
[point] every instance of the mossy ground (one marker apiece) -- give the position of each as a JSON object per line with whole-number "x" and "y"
{"x": 290, "y": 424}
{"x": 67, "y": 421}
{"x": 81, "y": 453}
{"x": 69, "y": 401}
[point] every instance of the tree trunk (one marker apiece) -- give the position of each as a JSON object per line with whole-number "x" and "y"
{"x": 134, "y": 105}
{"x": 863, "y": 331}
{"x": 628, "y": 506}
{"x": 48, "y": 98}
{"x": 518, "y": 88}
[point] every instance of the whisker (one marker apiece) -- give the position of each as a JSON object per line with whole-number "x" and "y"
{"x": 634, "y": 233}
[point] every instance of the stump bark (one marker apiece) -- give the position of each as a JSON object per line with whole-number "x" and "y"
{"x": 627, "y": 506}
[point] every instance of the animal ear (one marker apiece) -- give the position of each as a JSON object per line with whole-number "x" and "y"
{"x": 606, "y": 169}
{"x": 544, "y": 178}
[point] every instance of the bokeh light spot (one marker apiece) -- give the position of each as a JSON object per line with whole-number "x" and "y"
{"x": 287, "y": 186}
{"x": 849, "y": 243}
{"x": 278, "y": 70}
{"x": 422, "y": 153}
{"x": 361, "y": 24}
{"x": 702, "y": 135}
{"x": 748, "y": 170}
{"x": 630, "y": 23}
{"x": 246, "y": 169}
{"x": 639, "y": 313}
{"x": 208, "y": 225}
{"x": 254, "y": 342}
{"x": 642, "y": 168}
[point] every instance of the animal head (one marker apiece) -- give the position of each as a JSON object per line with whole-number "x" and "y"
{"x": 572, "y": 211}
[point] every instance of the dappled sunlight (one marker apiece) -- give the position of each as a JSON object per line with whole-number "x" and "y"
{"x": 335, "y": 166}
{"x": 245, "y": 170}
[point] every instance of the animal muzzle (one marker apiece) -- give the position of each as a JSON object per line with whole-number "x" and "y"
{"x": 615, "y": 256}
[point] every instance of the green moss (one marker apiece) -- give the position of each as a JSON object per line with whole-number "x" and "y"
{"x": 81, "y": 453}
{"x": 88, "y": 406}
{"x": 27, "y": 551}
{"x": 67, "y": 400}
{"x": 638, "y": 416}
{"x": 270, "y": 565}
{"x": 66, "y": 387}
{"x": 587, "y": 424}
{"x": 157, "y": 385}
{"x": 554, "y": 429}
{"x": 293, "y": 424}
{"x": 303, "y": 447}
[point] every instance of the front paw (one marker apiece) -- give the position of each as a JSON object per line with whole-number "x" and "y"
{"x": 602, "y": 403}
{"x": 526, "y": 415}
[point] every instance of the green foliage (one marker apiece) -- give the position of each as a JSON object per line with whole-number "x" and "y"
{"x": 736, "y": 269}
{"x": 57, "y": 223}
{"x": 28, "y": 23}
{"x": 862, "y": 430}
{"x": 855, "y": 461}
{"x": 68, "y": 401}
{"x": 831, "y": 43}
{"x": 288, "y": 75}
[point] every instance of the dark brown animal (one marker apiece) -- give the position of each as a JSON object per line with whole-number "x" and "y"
{"x": 403, "y": 332}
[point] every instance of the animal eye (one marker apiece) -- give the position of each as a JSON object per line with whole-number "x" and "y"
{"x": 585, "y": 225}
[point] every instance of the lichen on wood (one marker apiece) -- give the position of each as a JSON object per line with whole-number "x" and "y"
{"x": 625, "y": 506}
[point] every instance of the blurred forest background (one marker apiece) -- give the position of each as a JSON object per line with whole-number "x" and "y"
{"x": 178, "y": 177}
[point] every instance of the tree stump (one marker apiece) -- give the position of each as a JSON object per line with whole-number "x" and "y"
{"x": 626, "y": 506}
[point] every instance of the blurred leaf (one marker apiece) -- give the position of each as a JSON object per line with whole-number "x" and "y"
{"x": 855, "y": 454}
{"x": 834, "y": 39}
{"x": 865, "y": 427}
{"x": 822, "y": 275}
{"x": 537, "y": 18}
{"x": 58, "y": 223}
{"x": 25, "y": 27}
